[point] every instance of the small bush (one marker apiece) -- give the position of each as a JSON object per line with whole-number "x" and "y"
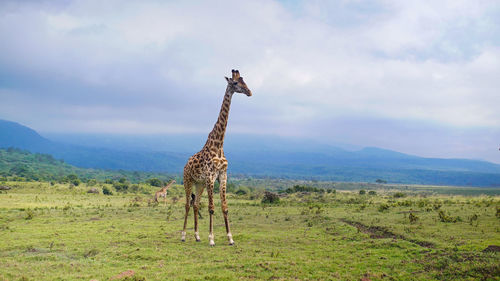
{"x": 304, "y": 188}
{"x": 121, "y": 186}
{"x": 134, "y": 188}
{"x": 91, "y": 253}
{"x": 155, "y": 182}
{"x": 383, "y": 207}
{"x": 372, "y": 192}
{"x": 443, "y": 217}
{"x": 29, "y": 214}
{"x": 421, "y": 203}
{"x": 240, "y": 192}
{"x": 405, "y": 203}
{"x": 91, "y": 182}
{"x": 270, "y": 197}
{"x": 399, "y": 195}
{"x": 362, "y": 192}
{"x": 472, "y": 219}
{"x": 412, "y": 218}
{"x": 106, "y": 191}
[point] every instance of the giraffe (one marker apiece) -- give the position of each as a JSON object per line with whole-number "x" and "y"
{"x": 163, "y": 192}
{"x": 210, "y": 164}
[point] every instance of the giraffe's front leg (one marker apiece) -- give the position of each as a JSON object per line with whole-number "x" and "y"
{"x": 211, "y": 207}
{"x": 223, "y": 182}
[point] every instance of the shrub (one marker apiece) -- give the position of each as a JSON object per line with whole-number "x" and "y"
{"x": 73, "y": 179}
{"x": 399, "y": 195}
{"x": 303, "y": 188}
{"x": 372, "y": 192}
{"x": 240, "y": 192}
{"x": 421, "y": 203}
{"x": 91, "y": 253}
{"x": 155, "y": 182}
{"x": 106, "y": 191}
{"x": 270, "y": 197}
{"x": 92, "y": 182}
{"x": 120, "y": 186}
{"x": 29, "y": 214}
{"x": 134, "y": 188}
{"x": 443, "y": 217}
{"x": 413, "y": 218}
{"x": 362, "y": 192}
{"x": 383, "y": 207}
{"x": 472, "y": 219}
{"x": 406, "y": 203}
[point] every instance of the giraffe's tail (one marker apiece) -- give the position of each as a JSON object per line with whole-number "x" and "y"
{"x": 193, "y": 197}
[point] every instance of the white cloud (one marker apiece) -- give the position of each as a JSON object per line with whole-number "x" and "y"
{"x": 423, "y": 61}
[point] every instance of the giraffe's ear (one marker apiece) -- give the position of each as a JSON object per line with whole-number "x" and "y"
{"x": 227, "y": 79}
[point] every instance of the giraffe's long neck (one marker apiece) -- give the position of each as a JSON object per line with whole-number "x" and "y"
{"x": 216, "y": 137}
{"x": 168, "y": 185}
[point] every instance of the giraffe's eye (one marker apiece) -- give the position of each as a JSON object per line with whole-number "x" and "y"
{"x": 235, "y": 83}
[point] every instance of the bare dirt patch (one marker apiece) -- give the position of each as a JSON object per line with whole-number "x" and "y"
{"x": 127, "y": 273}
{"x": 492, "y": 248}
{"x": 379, "y": 232}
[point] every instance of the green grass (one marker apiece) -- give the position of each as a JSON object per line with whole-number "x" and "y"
{"x": 57, "y": 233}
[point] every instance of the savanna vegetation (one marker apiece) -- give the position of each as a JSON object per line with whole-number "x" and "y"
{"x": 99, "y": 230}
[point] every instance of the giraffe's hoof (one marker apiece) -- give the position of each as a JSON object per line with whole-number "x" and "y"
{"x": 231, "y": 243}
{"x": 183, "y": 240}
{"x": 198, "y": 240}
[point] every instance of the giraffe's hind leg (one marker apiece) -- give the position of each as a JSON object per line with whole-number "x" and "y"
{"x": 188, "y": 189}
{"x": 196, "y": 209}
{"x": 223, "y": 203}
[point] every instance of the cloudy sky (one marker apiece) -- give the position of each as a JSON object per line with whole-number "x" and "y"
{"x": 420, "y": 77}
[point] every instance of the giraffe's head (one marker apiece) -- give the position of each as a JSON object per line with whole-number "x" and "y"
{"x": 237, "y": 84}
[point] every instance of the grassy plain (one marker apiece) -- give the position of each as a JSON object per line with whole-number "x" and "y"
{"x": 54, "y": 232}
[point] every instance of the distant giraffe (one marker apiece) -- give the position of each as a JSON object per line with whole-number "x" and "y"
{"x": 210, "y": 164}
{"x": 163, "y": 192}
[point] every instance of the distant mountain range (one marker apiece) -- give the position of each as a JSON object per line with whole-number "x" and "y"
{"x": 253, "y": 156}
{"x": 15, "y": 135}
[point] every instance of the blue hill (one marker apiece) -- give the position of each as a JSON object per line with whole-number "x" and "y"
{"x": 254, "y": 156}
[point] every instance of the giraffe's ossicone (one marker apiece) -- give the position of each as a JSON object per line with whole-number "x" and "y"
{"x": 210, "y": 164}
